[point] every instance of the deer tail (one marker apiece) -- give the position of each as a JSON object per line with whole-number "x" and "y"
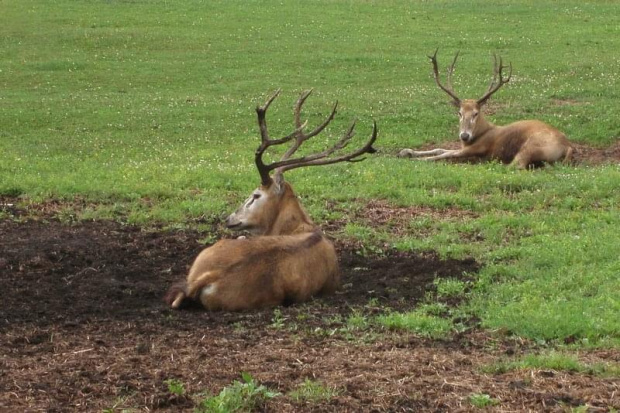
{"x": 203, "y": 284}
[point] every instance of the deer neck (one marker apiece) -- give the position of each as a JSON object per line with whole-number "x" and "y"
{"x": 292, "y": 218}
{"x": 483, "y": 127}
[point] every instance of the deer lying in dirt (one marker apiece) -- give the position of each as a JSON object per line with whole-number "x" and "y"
{"x": 524, "y": 143}
{"x": 289, "y": 260}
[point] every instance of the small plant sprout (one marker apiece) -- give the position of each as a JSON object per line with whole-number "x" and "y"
{"x": 481, "y": 400}
{"x": 175, "y": 387}
{"x": 277, "y": 321}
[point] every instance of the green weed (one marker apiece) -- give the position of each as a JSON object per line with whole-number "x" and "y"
{"x": 278, "y": 320}
{"x": 175, "y": 387}
{"x": 481, "y": 400}
{"x": 241, "y": 396}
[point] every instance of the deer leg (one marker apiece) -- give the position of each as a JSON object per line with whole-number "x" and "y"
{"x": 176, "y": 294}
{"x": 409, "y": 153}
{"x": 447, "y": 154}
{"x": 568, "y": 158}
{"x": 178, "y": 300}
{"x": 521, "y": 161}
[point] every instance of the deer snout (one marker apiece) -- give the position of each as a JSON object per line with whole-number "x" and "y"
{"x": 232, "y": 221}
{"x": 465, "y": 136}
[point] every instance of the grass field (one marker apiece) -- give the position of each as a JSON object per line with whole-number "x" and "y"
{"x": 145, "y": 110}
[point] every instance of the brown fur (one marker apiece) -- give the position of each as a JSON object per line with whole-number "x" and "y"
{"x": 523, "y": 144}
{"x": 290, "y": 261}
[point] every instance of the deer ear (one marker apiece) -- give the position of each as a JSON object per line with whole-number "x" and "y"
{"x": 278, "y": 182}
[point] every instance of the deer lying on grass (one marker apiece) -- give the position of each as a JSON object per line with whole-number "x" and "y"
{"x": 524, "y": 143}
{"x": 290, "y": 259}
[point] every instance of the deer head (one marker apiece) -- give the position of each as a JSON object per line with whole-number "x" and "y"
{"x": 273, "y": 207}
{"x": 471, "y": 121}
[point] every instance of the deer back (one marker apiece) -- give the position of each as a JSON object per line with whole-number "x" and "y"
{"x": 263, "y": 271}
{"x": 541, "y": 141}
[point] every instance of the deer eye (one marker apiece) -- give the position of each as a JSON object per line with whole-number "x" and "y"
{"x": 474, "y": 114}
{"x": 460, "y": 114}
{"x": 253, "y": 198}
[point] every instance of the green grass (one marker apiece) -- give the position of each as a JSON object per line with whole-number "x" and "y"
{"x": 450, "y": 287}
{"x": 312, "y": 391}
{"x": 144, "y": 112}
{"x": 417, "y": 322}
{"x": 554, "y": 360}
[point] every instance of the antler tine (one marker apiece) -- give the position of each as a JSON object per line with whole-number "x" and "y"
{"x": 320, "y": 158}
{"x": 495, "y": 72}
{"x": 498, "y": 79}
{"x": 299, "y": 104}
{"x": 451, "y": 71}
{"x": 449, "y": 90}
{"x": 301, "y": 137}
{"x": 263, "y": 169}
{"x": 342, "y": 142}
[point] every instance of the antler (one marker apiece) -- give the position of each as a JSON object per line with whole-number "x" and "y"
{"x": 498, "y": 79}
{"x": 449, "y": 89}
{"x": 285, "y": 163}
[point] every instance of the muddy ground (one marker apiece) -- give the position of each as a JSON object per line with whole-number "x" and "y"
{"x": 83, "y": 328}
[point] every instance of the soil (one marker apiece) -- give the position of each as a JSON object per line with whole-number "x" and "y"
{"x": 83, "y": 328}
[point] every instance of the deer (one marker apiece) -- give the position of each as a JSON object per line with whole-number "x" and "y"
{"x": 286, "y": 259}
{"x": 523, "y": 144}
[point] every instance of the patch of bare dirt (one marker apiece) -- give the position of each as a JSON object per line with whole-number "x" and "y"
{"x": 83, "y": 328}
{"x": 397, "y": 219}
{"x": 589, "y": 155}
{"x": 394, "y": 219}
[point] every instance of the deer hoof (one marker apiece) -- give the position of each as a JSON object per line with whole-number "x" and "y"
{"x": 406, "y": 153}
{"x": 178, "y": 300}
